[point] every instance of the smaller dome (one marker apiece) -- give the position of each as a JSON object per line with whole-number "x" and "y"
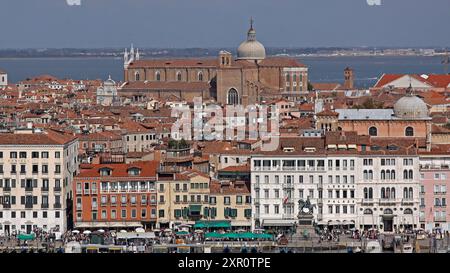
{"x": 109, "y": 82}
{"x": 410, "y": 107}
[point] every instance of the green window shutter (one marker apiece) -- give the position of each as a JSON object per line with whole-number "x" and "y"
{"x": 206, "y": 212}
{"x": 234, "y": 212}
{"x": 248, "y": 213}
{"x": 177, "y": 213}
{"x": 225, "y": 212}
{"x": 213, "y": 212}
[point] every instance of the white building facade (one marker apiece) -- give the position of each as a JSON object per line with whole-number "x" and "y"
{"x": 348, "y": 189}
{"x": 36, "y": 173}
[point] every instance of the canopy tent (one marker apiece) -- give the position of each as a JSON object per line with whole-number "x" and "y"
{"x": 212, "y": 224}
{"x": 24, "y": 236}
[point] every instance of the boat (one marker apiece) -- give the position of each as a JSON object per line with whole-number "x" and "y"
{"x": 373, "y": 246}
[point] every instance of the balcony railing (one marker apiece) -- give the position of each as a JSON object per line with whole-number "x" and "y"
{"x": 6, "y": 206}
{"x": 367, "y": 201}
{"x": 440, "y": 219}
{"x": 388, "y": 201}
{"x": 288, "y": 185}
{"x": 44, "y": 206}
{"x": 57, "y": 205}
{"x": 28, "y": 188}
{"x": 407, "y": 201}
{"x": 28, "y": 205}
{"x": 44, "y": 189}
{"x": 57, "y": 189}
{"x": 6, "y": 188}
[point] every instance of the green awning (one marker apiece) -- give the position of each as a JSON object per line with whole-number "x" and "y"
{"x": 245, "y": 235}
{"x": 212, "y": 224}
{"x": 213, "y": 235}
{"x": 182, "y": 233}
{"x": 195, "y": 208}
{"x": 23, "y": 236}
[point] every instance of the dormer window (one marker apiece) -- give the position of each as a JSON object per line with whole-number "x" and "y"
{"x": 105, "y": 172}
{"x": 134, "y": 171}
{"x": 310, "y": 149}
{"x": 288, "y": 149}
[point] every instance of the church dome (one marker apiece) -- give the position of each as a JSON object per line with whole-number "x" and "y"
{"x": 251, "y": 49}
{"x": 410, "y": 106}
{"x": 109, "y": 82}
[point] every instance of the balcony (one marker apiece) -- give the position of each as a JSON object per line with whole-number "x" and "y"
{"x": 6, "y": 206}
{"x": 288, "y": 168}
{"x": 407, "y": 201}
{"x": 28, "y": 205}
{"x": 320, "y": 185}
{"x": 44, "y": 189}
{"x": 6, "y": 188}
{"x": 44, "y": 206}
{"x": 367, "y": 202}
{"x": 28, "y": 188}
{"x": 440, "y": 219}
{"x": 387, "y": 201}
{"x": 57, "y": 205}
{"x": 288, "y": 185}
{"x": 289, "y": 216}
{"x": 79, "y": 207}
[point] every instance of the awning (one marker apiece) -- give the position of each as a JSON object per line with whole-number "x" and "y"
{"x": 23, "y": 236}
{"x": 278, "y": 223}
{"x": 352, "y": 146}
{"x": 332, "y": 146}
{"x": 342, "y": 146}
{"x": 212, "y": 224}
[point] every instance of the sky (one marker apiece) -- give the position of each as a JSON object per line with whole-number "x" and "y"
{"x": 223, "y": 23}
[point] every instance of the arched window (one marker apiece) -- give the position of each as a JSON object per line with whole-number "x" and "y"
{"x": 294, "y": 78}
{"x": 366, "y": 193}
{"x": 405, "y": 193}
{"x": 368, "y": 211}
{"x": 158, "y": 76}
{"x": 393, "y": 174}
{"x": 410, "y": 174}
{"x": 179, "y": 76}
{"x": 409, "y": 131}
{"x": 370, "y": 175}
{"x": 388, "y": 193}
{"x": 388, "y": 211}
{"x": 408, "y": 211}
{"x": 288, "y": 78}
{"x": 366, "y": 175}
{"x": 383, "y": 193}
{"x": 388, "y": 174}
{"x": 137, "y": 76}
{"x": 370, "y": 193}
{"x": 393, "y": 193}
{"x": 383, "y": 175}
{"x": 405, "y": 174}
{"x": 233, "y": 97}
{"x": 410, "y": 193}
{"x": 200, "y": 76}
{"x": 373, "y": 131}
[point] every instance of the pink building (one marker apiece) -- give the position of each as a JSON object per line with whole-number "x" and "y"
{"x": 435, "y": 180}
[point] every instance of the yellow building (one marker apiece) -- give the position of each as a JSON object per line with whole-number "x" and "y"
{"x": 230, "y": 201}
{"x": 182, "y": 197}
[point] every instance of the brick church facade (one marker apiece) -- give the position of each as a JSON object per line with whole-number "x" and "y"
{"x": 248, "y": 79}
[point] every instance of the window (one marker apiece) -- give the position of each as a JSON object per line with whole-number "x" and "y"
{"x": 409, "y": 131}
{"x": 233, "y": 97}
{"x": 158, "y": 76}
{"x": 200, "y": 76}
{"x": 137, "y": 76}
{"x": 179, "y": 77}
{"x": 373, "y": 131}
{"x": 123, "y": 213}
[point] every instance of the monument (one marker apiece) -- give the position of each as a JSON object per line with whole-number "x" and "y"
{"x": 305, "y": 226}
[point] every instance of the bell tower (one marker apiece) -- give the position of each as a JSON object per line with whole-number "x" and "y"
{"x": 348, "y": 78}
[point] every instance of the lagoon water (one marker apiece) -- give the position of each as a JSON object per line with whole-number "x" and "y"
{"x": 321, "y": 69}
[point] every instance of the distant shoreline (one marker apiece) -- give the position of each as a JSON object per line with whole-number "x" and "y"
{"x": 191, "y": 57}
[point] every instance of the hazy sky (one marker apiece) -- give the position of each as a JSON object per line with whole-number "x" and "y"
{"x": 223, "y": 23}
